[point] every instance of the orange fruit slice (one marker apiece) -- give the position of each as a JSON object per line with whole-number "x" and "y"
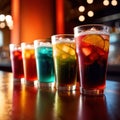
{"x": 95, "y": 40}
{"x": 106, "y": 47}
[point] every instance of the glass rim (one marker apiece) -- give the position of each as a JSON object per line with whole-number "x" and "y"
{"x": 14, "y": 46}
{"x": 39, "y": 43}
{"x": 90, "y": 25}
{"x": 57, "y": 35}
{"x": 42, "y": 40}
{"x": 91, "y": 29}
{"x": 27, "y": 43}
{"x": 61, "y": 35}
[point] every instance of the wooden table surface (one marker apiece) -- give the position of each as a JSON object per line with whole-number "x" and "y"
{"x": 20, "y": 102}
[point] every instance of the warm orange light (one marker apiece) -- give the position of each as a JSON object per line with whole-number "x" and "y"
{"x": 81, "y": 18}
{"x": 114, "y": 2}
{"x": 2, "y": 25}
{"x": 89, "y": 1}
{"x": 90, "y": 13}
{"x": 105, "y": 2}
{"x": 59, "y": 16}
{"x": 8, "y": 17}
{"x": 15, "y": 32}
{"x": 81, "y": 8}
{"x": 2, "y": 17}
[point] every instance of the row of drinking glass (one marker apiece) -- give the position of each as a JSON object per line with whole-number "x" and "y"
{"x": 68, "y": 60}
{"x": 51, "y": 64}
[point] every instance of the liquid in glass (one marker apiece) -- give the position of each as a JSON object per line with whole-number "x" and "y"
{"x": 29, "y": 63}
{"x": 92, "y": 50}
{"x": 45, "y": 64}
{"x": 65, "y": 63}
{"x": 16, "y": 62}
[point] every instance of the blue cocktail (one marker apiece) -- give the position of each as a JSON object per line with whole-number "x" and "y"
{"x": 45, "y": 64}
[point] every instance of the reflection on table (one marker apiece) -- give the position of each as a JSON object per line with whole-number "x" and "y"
{"x": 21, "y": 102}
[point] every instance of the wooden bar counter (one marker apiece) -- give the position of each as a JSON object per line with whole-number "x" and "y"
{"x": 20, "y": 102}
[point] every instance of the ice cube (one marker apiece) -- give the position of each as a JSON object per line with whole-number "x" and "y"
{"x": 32, "y": 52}
{"x": 47, "y": 44}
{"x": 27, "y": 55}
{"x": 92, "y": 30}
{"x": 86, "y": 51}
{"x": 65, "y": 48}
{"x": 94, "y": 56}
{"x": 16, "y": 53}
{"x": 64, "y": 56}
{"x": 72, "y": 52}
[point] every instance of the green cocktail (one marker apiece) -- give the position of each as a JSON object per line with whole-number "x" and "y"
{"x": 65, "y": 63}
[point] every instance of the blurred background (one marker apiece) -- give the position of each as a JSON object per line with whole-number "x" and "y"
{"x": 27, "y": 20}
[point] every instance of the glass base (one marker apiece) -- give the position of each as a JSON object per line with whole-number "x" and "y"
{"x": 92, "y": 91}
{"x": 17, "y": 80}
{"x": 67, "y": 88}
{"x": 78, "y": 86}
{"x": 46, "y": 85}
{"x": 31, "y": 83}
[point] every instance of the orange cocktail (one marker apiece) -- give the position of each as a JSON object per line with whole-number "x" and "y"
{"x": 29, "y": 62}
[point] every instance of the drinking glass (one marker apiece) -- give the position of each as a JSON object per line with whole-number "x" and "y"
{"x": 65, "y": 62}
{"x": 16, "y": 62}
{"x": 29, "y": 63}
{"x": 44, "y": 63}
{"x": 92, "y": 47}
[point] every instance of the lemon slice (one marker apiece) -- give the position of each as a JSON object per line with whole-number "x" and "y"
{"x": 95, "y": 40}
{"x": 106, "y": 47}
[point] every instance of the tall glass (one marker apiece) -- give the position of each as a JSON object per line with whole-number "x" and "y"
{"x": 45, "y": 64}
{"x": 64, "y": 56}
{"x": 92, "y": 46}
{"x": 16, "y": 62}
{"x": 29, "y": 63}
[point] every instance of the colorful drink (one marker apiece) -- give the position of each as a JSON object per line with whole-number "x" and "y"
{"x": 92, "y": 48}
{"x": 29, "y": 63}
{"x": 65, "y": 62}
{"x": 16, "y": 61}
{"x": 44, "y": 61}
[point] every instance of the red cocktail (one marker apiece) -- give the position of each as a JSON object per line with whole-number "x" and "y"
{"x": 16, "y": 61}
{"x": 92, "y": 48}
